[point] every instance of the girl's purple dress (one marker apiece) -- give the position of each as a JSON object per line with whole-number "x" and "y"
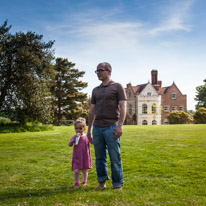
{"x": 81, "y": 153}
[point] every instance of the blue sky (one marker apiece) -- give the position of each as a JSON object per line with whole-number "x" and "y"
{"x": 135, "y": 36}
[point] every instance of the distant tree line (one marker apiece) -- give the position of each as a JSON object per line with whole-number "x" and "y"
{"x": 34, "y": 86}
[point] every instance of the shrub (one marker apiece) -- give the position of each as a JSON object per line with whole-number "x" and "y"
{"x": 4, "y": 119}
{"x": 8, "y": 126}
{"x": 200, "y": 116}
{"x": 178, "y": 117}
{"x": 19, "y": 128}
{"x": 7, "y": 122}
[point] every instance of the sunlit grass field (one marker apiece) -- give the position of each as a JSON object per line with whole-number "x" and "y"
{"x": 163, "y": 165}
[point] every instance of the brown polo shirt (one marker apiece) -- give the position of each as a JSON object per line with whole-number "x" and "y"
{"x": 106, "y": 98}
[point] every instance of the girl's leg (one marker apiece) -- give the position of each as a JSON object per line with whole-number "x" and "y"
{"x": 76, "y": 176}
{"x": 85, "y": 175}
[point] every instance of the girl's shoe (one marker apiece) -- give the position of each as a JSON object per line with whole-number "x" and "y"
{"x": 84, "y": 184}
{"x": 76, "y": 185}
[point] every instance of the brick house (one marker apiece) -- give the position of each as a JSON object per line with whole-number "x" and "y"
{"x": 150, "y": 103}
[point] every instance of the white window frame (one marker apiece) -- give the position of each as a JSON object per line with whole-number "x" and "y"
{"x": 174, "y": 108}
{"x": 154, "y": 122}
{"x": 166, "y": 121}
{"x": 144, "y": 122}
{"x": 173, "y": 96}
{"x": 154, "y": 108}
{"x": 181, "y": 108}
{"x": 144, "y": 109}
{"x": 166, "y": 109}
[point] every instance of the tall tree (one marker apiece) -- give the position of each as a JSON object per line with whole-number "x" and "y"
{"x": 5, "y": 37}
{"x": 69, "y": 100}
{"x": 201, "y": 95}
{"x": 25, "y": 73}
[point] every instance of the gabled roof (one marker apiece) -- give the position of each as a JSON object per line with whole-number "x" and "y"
{"x": 139, "y": 88}
{"x": 174, "y": 85}
{"x": 130, "y": 86}
{"x": 149, "y": 85}
{"x": 158, "y": 87}
{"x": 164, "y": 90}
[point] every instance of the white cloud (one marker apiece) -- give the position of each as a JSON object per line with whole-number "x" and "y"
{"x": 114, "y": 35}
{"x": 173, "y": 24}
{"x": 90, "y": 28}
{"x": 174, "y": 18}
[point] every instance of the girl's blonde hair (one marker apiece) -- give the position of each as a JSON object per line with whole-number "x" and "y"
{"x": 80, "y": 120}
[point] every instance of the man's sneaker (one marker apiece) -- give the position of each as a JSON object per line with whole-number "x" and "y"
{"x": 117, "y": 188}
{"x": 101, "y": 185}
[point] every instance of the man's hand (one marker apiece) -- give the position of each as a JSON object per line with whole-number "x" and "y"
{"x": 89, "y": 134}
{"x": 118, "y": 131}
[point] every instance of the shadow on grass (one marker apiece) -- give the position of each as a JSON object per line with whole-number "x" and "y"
{"x": 41, "y": 192}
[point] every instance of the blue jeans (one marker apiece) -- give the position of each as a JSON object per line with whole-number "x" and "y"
{"x": 104, "y": 139}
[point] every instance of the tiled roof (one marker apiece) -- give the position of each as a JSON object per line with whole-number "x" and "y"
{"x": 140, "y": 87}
{"x": 137, "y": 89}
{"x": 163, "y": 90}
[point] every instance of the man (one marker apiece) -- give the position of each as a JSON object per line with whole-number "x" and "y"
{"x": 107, "y": 114}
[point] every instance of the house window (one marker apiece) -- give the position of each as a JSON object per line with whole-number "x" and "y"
{"x": 174, "y": 108}
{"x": 154, "y": 108}
{"x": 129, "y": 94}
{"x": 181, "y": 108}
{"x": 144, "y": 109}
{"x": 173, "y": 96}
{"x": 144, "y": 122}
{"x": 166, "y": 121}
{"x": 154, "y": 122}
{"x": 166, "y": 108}
{"x": 130, "y": 109}
{"x": 148, "y": 93}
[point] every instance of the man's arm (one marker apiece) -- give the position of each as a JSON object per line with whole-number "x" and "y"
{"x": 92, "y": 111}
{"x": 123, "y": 105}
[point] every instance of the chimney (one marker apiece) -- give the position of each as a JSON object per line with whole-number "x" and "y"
{"x": 154, "y": 77}
{"x": 129, "y": 85}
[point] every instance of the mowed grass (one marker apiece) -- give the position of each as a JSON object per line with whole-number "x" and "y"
{"x": 163, "y": 165}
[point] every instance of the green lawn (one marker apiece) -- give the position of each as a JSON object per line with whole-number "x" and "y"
{"x": 163, "y": 165}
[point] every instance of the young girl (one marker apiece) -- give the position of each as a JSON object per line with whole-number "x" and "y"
{"x": 81, "y": 159}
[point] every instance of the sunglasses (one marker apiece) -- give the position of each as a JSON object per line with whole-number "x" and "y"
{"x": 100, "y": 70}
